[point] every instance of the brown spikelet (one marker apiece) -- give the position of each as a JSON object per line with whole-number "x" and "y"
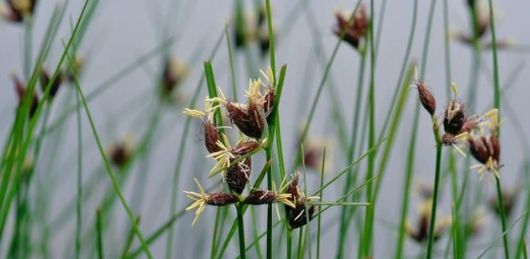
{"x": 426, "y": 97}
{"x": 237, "y": 176}
{"x": 454, "y": 117}
{"x": 248, "y": 119}
{"x": 357, "y": 30}
{"x": 268, "y": 105}
{"x": 221, "y": 199}
{"x": 260, "y": 197}
{"x": 297, "y": 216}
{"x": 244, "y": 148}
{"x": 483, "y": 148}
{"x": 211, "y": 136}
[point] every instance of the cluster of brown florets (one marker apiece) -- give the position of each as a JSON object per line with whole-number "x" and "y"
{"x": 253, "y": 28}
{"x": 420, "y": 232}
{"x": 482, "y": 16}
{"x": 174, "y": 72}
{"x": 235, "y": 161}
{"x": 479, "y": 133}
{"x": 45, "y": 79}
{"x": 357, "y": 29}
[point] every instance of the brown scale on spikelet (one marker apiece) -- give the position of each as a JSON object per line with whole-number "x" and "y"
{"x": 227, "y": 154}
{"x": 454, "y": 117}
{"x": 426, "y": 97}
{"x": 247, "y": 118}
{"x": 485, "y": 146}
{"x": 357, "y": 30}
{"x": 237, "y": 176}
{"x": 261, "y": 197}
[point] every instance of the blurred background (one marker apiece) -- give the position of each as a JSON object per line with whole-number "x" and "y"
{"x": 125, "y": 51}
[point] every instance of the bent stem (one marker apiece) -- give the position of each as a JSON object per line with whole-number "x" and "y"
{"x": 432, "y": 221}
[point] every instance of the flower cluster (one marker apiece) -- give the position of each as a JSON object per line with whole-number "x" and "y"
{"x": 252, "y": 27}
{"x": 479, "y": 133}
{"x": 174, "y": 72}
{"x": 480, "y": 11}
{"x": 122, "y": 151}
{"x": 356, "y": 30}
{"x": 420, "y": 233}
{"x": 235, "y": 160}
{"x": 303, "y": 210}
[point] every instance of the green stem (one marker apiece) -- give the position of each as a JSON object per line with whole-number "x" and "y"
{"x": 503, "y": 218}
{"x": 497, "y": 104}
{"x": 111, "y": 173}
{"x": 408, "y": 177}
{"x": 99, "y": 231}
{"x": 241, "y": 230}
{"x": 432, "y": 221}
{"x": 289, "y": 243}
{"x": 370, "y": 211}
{"x": 79, "y": 207}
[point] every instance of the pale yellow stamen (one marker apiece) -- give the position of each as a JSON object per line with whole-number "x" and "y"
{"x": 200, "y": 201}
{"x": 455, "y": 89}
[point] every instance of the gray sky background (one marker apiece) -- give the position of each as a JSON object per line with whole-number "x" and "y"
{"x": 124, "y": 30}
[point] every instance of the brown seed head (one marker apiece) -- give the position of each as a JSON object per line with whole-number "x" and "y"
{"x": 268, "y": 105}
{"x": 173, "y": 74}
{"x": 243, "y": 148}
{"x": 297, "y": 216}
{"x": 454, "y": 117}
{"x": 260, "y": 197}
{"x": 220, "y": 199}
{"x": 421, "y": 232}
{"x": 248, "y": 119}
{"x": 356, "y": 31}
{"x": 426, "y": 97}
{"x": 120, "y": 155}
{"x": 237, "y": 176}
{"x": 211, "y": 136}
{"x": 484, "y": 148}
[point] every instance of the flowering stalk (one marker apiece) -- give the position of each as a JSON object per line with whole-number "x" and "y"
{"x": 497, "y": 104}
{"x": 429, "y": 103}
{"x": 439, "y": 145}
